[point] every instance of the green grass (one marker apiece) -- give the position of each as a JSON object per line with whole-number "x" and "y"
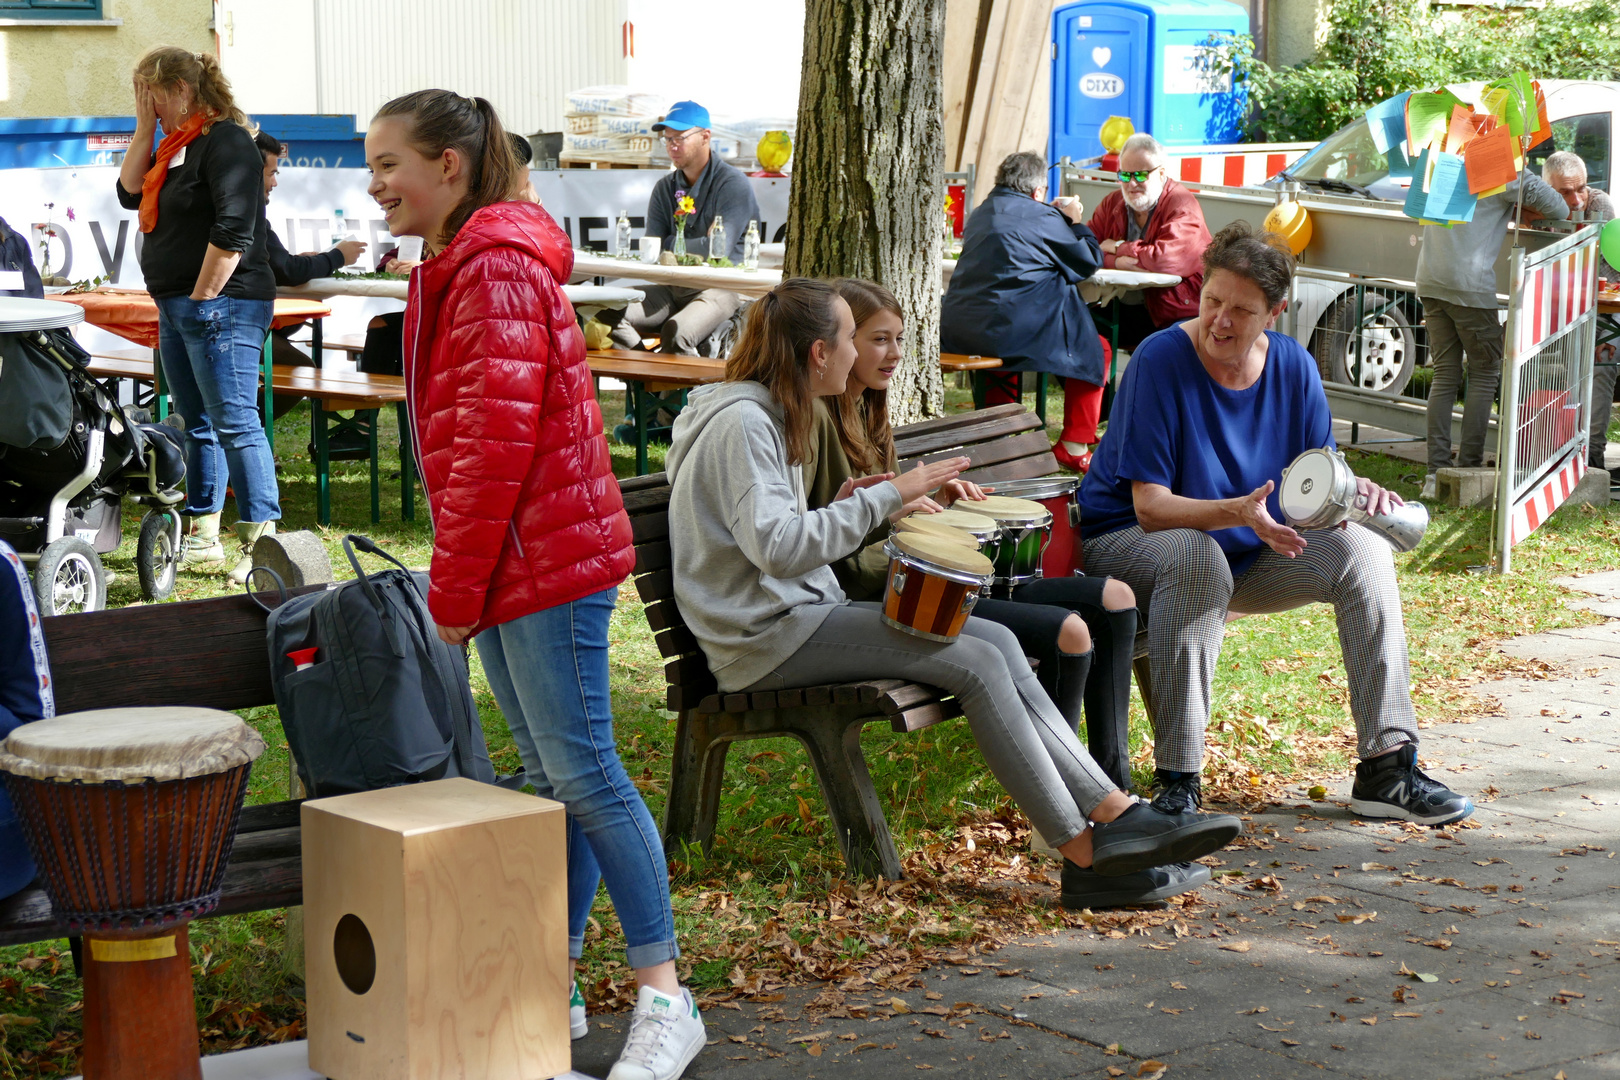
{"x": 770, "y": 904}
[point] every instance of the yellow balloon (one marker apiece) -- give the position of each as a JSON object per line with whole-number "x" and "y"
{"x": 774, "y": 150}
{"x": 1292, "y": 222}
{"x": 1115, "y": 130}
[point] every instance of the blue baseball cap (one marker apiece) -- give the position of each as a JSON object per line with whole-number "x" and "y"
{"x": 684, "y": 116}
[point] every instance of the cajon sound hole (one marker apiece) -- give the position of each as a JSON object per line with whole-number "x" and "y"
{"x": 355, "y": 954}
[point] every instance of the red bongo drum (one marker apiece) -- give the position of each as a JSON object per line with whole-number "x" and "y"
{"x": 130, "y": 815}
{"x": 1056, "y": 493}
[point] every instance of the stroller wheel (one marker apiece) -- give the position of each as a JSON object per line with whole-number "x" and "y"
{"x": 156, "y": 555}
{"x": 68, "y": 578}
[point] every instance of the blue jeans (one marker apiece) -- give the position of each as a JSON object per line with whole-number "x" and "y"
{"x": 549, "y": 672}
{"x": 211, "y": 355}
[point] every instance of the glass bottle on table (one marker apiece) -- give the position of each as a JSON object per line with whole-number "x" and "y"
{"x": 717, "y": 239}
{"x": 750, "y": 261}
{"x": 622, "y": 236}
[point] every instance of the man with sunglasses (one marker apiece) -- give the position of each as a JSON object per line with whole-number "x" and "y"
{"x": 1154, "y": 224}
{"x": 685, "y": 319}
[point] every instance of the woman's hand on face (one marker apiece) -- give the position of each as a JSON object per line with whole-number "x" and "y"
{"x": 145, "y": 107}
{"x": 454, "y": 635}
{"x": 955, "y": 490}
{"x": 1378, "y": 500}
{"x": 854, "y": 483}
{"x": 1253, "y": 513}
{"x": 925, "y": 478}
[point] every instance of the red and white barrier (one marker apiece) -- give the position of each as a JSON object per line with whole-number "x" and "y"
{"x": 1538, "y": 505}
{"x": 1558, "y": 295}
{"x": 1237, "y": 169}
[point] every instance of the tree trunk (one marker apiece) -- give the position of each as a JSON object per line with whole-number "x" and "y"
{"x": 868, "y": 188}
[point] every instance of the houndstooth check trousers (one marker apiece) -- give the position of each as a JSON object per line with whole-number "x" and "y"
{"x": 1184, "y": 588}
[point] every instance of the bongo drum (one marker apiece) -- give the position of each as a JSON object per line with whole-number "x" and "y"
{"x": 925, "y": 525}
{"x": 1318, "y": 491}
{"x": 1057, "y": 494}
{"x": 1024, "y": 528}
{"x": 984, "y": 532}
{"x": 131, "y": 815}
{"x": 933, "y": 584}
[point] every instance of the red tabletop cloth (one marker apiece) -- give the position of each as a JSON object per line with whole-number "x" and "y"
{"x": 132, "y": 314}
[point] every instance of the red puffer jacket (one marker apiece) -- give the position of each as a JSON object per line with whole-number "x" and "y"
{"x": 1173, "y": 244}
{"x": 508, "y": 435}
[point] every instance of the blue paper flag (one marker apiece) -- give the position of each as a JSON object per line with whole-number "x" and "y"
{"x": 1386, "y": 121}
{"x": 1417, "y": 198}
{"x": 1448, "y": 197}
{"x": 1400, "y": 166}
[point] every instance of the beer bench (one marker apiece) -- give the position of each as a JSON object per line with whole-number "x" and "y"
{"x": 652, "y": 381}
{"x": 1005, "y": 443}
{"x": 330, "y": 392}
{"x": 103, "y": 660}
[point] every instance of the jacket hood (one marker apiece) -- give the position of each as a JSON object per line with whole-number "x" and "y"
{"x": 702, "y": 406}
{"x": 521, "y": 225}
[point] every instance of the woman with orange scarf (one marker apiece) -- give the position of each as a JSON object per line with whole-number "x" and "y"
{"x": 200, "y": 196}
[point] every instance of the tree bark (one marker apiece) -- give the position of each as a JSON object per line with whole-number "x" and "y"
{"x": 868, "y": 190}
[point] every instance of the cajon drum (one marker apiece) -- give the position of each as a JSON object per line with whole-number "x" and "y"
{"x": 436, "y": 934}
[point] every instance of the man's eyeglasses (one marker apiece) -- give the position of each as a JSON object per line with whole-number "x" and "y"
{"x": 1137, "y": 177}
{"x": 676, "y": 140}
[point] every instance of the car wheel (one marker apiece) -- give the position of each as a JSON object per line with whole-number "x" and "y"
{"x": 1388, "y": 344}
{"x": 68, "y": 578}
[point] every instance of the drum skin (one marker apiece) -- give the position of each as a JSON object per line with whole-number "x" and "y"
{"x": 1058, "y": 494}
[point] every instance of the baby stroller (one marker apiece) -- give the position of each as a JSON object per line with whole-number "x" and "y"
{"x": 69, "y": 456}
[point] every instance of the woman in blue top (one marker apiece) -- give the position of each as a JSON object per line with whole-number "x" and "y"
{"x": 1180, "y": 504}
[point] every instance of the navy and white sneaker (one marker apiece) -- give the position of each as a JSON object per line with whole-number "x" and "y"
{"x": 1394, "y": 787}
{"x": 577, "y": 1027}
{"x": 1085, "y": 888}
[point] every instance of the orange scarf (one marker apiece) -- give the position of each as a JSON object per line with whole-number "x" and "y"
{"x": 152, "y": 183}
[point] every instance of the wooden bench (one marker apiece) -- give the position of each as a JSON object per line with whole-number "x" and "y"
{"x": 652, "y": 381}
{"x": 330, "y": 392}
{"x": 1005, "y": 443}
{"x": 212, "y": 655}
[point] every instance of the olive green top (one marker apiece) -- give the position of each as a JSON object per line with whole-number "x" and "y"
{"x": 861, "y": 574}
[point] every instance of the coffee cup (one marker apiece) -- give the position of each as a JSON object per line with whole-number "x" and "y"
{"x": 650, "y": 248}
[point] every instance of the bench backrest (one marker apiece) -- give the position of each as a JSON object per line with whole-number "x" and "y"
{"x": 1006, "y": 442}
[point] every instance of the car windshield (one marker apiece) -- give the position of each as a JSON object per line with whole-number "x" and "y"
{"x": 1347, "y": 155}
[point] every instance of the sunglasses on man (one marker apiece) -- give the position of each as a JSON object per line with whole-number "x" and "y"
{"x": 1138, "y": 177}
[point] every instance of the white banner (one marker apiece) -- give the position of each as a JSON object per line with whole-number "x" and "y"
{"x": 95, "y": 236}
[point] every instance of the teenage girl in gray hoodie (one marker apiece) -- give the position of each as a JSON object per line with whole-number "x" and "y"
{"x": 753, "y": 581}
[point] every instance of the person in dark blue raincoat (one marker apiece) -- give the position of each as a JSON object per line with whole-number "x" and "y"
{"x": 25, "y": 694}
{"x": 1013, "y": 295}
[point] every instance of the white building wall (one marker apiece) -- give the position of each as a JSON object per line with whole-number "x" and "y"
{"x": 268, "y": 53}
{"x": 737, "y": 58}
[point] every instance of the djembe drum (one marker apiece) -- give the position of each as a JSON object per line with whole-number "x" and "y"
{"x": 130, "y": 815}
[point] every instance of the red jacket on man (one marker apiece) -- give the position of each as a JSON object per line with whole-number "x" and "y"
{"x": 526, "y": 511}
{"x": 1174, "y": 243}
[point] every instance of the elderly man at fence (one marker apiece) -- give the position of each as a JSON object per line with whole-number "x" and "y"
{"x": 1153, "y": 224}
{"x": 1013, "y": 295}
{"x": 1456, "y": 281}
{"x": 1565, "y": 173}
{"x": 685, "y": 319}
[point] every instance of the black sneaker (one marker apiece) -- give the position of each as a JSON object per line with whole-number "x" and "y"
{"x": 1143, "y": 837}
{"x": 1085, "y": 888}
{"x": 1179, "y": 792}
{"x": 1393, "y": 786}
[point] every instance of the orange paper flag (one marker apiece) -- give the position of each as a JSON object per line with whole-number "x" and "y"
{"x": 1489, "y": 159}
{"x": 1465, "y": 124}
{"x": 1541, "y": 133}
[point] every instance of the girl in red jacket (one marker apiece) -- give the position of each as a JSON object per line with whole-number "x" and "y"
{"x": 530, "y": 534}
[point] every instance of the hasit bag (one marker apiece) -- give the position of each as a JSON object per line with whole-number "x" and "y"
{"x": 384, "y": 701}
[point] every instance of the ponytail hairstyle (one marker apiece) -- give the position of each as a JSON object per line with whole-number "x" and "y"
{"x": 440, "y": 120}
{"x": 168, "y": 66}
{"x": 774, "y": 350}
{"x": 861, "y": 414}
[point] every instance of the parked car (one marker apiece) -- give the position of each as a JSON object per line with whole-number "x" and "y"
{"x": 1346, "y": 163}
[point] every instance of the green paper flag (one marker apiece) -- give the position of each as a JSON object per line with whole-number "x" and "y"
{"x": 1427, "y": 117}
{"x": 1513, "y": 101}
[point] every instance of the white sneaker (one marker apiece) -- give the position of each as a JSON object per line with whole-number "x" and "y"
{"x": 1428, "y": 491}
{"x": 577, "y": 1027}
{"x": 666, "y": 1033}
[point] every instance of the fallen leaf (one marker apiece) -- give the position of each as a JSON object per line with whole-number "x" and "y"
{"x": 1359, "y": 917}
{"x": 1369, "y": 1020}
{"x": 1531, "y": 1035}
{"x": 898, "y": 1005}
{"x": 1115, "y": 1070}
{"x": 1409, "y": 1015}
{"x": 1151, "y": 1070}
{"x": 814, "y": 1049}
{"x": 1290, "y": 1042}
{"x": 1237, "y": 946}
{"x": 1256, "y": 1009}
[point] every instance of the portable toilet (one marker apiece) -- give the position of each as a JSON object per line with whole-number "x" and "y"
{"x": 1145, "y": 59}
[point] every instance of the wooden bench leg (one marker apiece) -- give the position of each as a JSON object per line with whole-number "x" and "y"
{"x": 834, "y": 746}
{"x": 407, "y": 465}
{"x": 371, "y": 446}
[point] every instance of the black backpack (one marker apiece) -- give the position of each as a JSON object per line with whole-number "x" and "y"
{"x": 385, "y": 701}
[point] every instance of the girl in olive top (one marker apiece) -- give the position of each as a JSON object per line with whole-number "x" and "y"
{"x": 1081, "y": 629}
{"x": 200, "y": 198}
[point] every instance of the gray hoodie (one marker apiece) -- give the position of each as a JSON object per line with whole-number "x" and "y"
{"x": 1458, "y": 265}
{"x": 750, "y": 563}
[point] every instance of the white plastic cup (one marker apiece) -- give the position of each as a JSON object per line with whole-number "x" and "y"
{"x": 410, "y": 249}
{"x": 650, "y": 248}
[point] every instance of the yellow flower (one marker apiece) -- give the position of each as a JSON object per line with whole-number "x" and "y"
{"x": 687, "y": 206}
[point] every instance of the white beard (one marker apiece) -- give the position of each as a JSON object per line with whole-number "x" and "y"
{"x": 1145, "y": 202}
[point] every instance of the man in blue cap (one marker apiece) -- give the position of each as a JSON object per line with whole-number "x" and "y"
{"x": 685, "y": 319}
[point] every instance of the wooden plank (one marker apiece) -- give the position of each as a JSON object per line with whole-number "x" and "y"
{"x": 649, "y": 527}
{"x": 222, "y": 641}
{"x": 764, "y": 699}
{"x": 710, "y": 703}
{"x": 641, "y": 483}
{"x": 677, "y": 641}
{"x": 658, "y": 585}
{"x": 790, "y": 699}
{"x": 925, "y": 716}
{"x": 980, "y": 111}
{"x": 735, "y": 703}
{"x": 279, "y": 815}
{"x": 968, "y": 435}
{"x": 650, "y": 557}
{"x": 818, "y": 695}
{"x": 996, "y": 451}
{"x": 926, "y": 427}
{"x": 906, "y": 696}
{"x": 690, "y": 671}
{"x": 965, "y": 362}
{"x": 663, "y": 615}
{"x": 682, "y": 698}
{"x": 959, "y": 61}
{"x": 1028, "y": 468}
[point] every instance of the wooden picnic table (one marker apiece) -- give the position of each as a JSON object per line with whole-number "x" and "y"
{"x": 587, "y": 299}
{"x": 648, "y": 379}
{"x": 132, "y": 314}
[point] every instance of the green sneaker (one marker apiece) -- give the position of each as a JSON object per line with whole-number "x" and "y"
{"x": 577, "y": 1027}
